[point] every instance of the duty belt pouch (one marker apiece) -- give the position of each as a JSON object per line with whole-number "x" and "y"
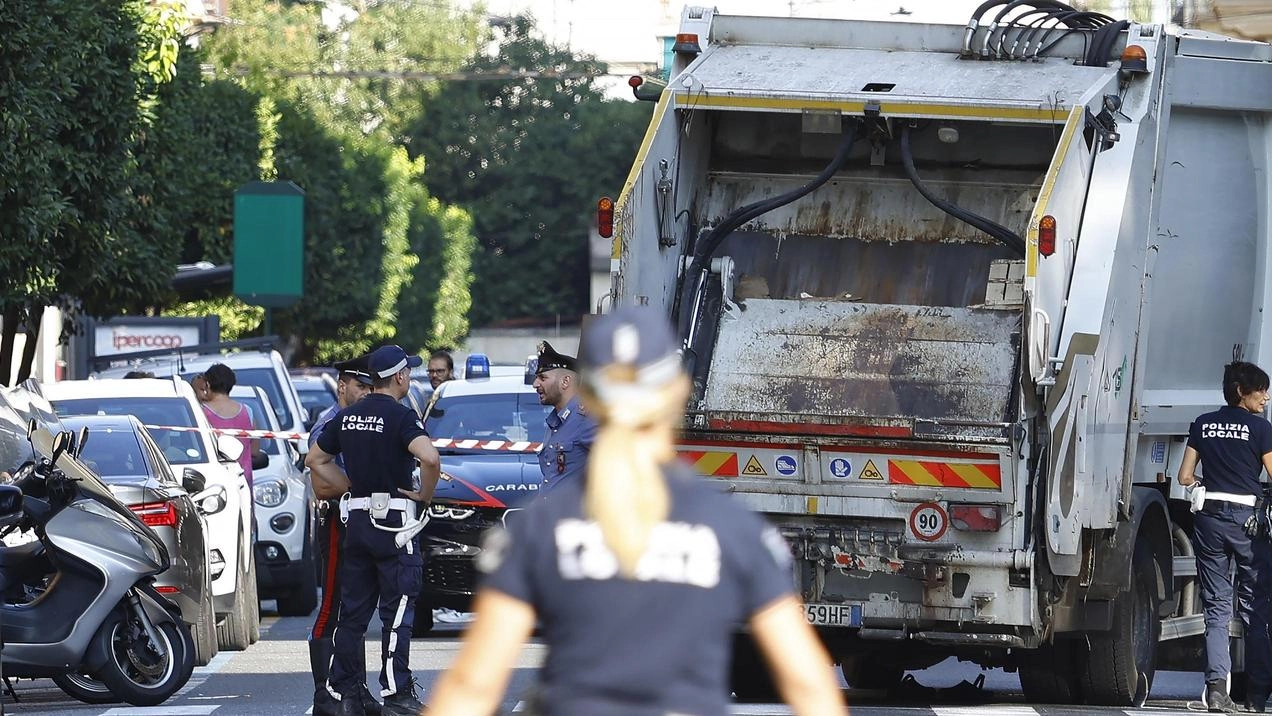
{"x": 379, "y": 506}
{"x": 1259, "y": 526}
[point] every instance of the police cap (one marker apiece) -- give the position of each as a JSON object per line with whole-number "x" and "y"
{"x": 549, "y": 359}
{"x": 357, "y": 368}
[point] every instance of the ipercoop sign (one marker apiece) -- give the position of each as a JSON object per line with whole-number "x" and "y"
{"x": 116, "y": 339}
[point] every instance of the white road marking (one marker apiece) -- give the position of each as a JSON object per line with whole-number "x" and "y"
{"x": 984, "y": 711}
{"x": 161, "y": 709}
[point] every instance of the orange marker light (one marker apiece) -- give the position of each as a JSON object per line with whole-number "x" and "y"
{"x": 605, "y": 217}
{"x": 1047, "y": 235}
{"x": 1134, "y": 59}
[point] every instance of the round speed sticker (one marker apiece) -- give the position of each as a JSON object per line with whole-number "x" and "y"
{"x": 928, "y": 521}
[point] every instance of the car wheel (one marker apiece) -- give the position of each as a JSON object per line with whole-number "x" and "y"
{"x": 254, "y": 604}
{"x": 235, "y": 632}
{"x": 303, "y": 598}
{"x": 205, "y": 641}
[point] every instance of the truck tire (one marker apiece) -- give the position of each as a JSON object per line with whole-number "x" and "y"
{"x": 864, "y": 672}
{"x": 204, "y": 631}
{"x": 749, "y": 678}
{"x": 1050, "y": 674}
{"x": 1120, "y": 667}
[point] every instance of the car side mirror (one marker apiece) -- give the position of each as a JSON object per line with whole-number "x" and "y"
{"x": 260, "y": 460}
{"x": 61, "y": 442}
{"x": 10, "y": 501}
{"x": 229, "y": 449}
{"x": 193, "y": 481}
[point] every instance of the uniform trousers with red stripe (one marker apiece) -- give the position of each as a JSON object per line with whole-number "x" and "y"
{"x": 331, "y": 546}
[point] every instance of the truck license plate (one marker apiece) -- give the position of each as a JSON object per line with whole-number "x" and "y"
{"x": 846, "y": 615}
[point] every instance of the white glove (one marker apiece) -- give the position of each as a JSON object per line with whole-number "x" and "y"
{"x": 1196, "y": 494}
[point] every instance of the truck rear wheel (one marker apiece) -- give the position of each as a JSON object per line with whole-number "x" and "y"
{"x": 1119, "y": 670}
{"x": 749, "y": 678}
{"x": 864, "y": 672}
{"x": 1050, "y": 675}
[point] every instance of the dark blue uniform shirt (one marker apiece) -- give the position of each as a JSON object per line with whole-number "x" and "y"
{"x": 566, "y": 445}
{"x": 659, "y": 643}
{"x": 373, "y": 435}
{"x": 1232, "y": 442}
{"x": 324, "y": 418}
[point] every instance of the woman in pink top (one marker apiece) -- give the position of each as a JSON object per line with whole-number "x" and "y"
{"x": 225, "y": 412}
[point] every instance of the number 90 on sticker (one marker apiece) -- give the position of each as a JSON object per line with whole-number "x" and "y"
{"x": 928, "y": 521}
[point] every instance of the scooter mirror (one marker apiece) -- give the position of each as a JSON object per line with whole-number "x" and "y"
{"x": 32, "y": 426}
{"x": 80, "y": 442}
{"x": 10, "y": 504}
{"x": 61, "y": 442}
{"x": 230, "y": 449}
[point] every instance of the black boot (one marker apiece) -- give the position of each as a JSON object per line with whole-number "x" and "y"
{"x": 369, "y": 704}
{"x": 320, "y": 664}
{"x": 351, "y": 705}
{"x": 1217, "y": 699}
{"x": 1256, "y": 697}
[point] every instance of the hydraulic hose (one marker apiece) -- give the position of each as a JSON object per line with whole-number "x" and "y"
{"x": 694, "y": 282}
{"x": 1008, "y": 237}
{"x": 1103, "y": 43}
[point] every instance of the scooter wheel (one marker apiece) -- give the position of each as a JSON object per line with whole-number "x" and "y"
{"x": 85, "y": 688}
{"x": 136, "y": 673}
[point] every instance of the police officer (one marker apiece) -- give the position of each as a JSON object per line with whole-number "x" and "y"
{"x": 639, "y": 577}
{"x": 1233, "y": 445}
{"x": 570, "y": 430}
{"x": 353, "y": 382}
{"x": 381, "y": 440}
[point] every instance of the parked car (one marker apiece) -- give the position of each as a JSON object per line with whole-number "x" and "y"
{"x": 180, "y": 429}
{"x": 126, "y": 458}
{"x": 485, "y": 487}
{"x": 261, "y": 367}
{"x": 317, "y": 390}
{"x": 285, "y": 516}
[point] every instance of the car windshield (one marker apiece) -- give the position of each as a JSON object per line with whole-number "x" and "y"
{"x": 315, "y": 397}
{"x": 180, "y": 447}
{"x": 254, "y": 404}
{"x": 266, "y": 380}
{"x": 113, "y": 452}
{"x": 501, "y": 416}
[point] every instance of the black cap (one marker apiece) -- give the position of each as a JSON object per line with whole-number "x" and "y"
{"x": 549, "y": 359}
{"x": 357, "y": 368}
{"x": 633, "y": 336}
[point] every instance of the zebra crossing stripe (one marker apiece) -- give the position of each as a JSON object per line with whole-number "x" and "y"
{"x": 166, "y": 710}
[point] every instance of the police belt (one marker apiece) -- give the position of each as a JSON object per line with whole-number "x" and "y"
{"x": 378, "y": 506}
{"x": 1247, "y": 500}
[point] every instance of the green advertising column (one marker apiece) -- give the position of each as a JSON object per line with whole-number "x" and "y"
{"x": 269, "y": 245}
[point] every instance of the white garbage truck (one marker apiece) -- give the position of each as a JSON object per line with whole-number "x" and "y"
{"x": 951, "y": 297}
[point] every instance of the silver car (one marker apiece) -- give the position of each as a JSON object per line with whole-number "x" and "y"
{"x": 127, "y": 459}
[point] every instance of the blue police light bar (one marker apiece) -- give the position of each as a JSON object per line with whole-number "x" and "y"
{"x": 477, "y": 366}
{"x": 532, "y": 369}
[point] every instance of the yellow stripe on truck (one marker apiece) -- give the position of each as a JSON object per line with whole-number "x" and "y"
{"x": 916, "y": 474}
{"x": 972, "y": 475}
{"x": 664, "y": 100}
{"x": 1048, "y": 185}
{"x": 696, "y": 100}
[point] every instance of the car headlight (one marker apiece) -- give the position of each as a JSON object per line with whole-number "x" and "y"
{"x": 269, "y": 493}
{"x": 442, "y": 511}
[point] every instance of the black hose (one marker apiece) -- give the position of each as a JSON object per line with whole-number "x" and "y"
{"x": 1103, "y": 43}
{"x": 1009, "y": 238}
{"x": 1075, "y": 20}
{"x": 717, "y": 234}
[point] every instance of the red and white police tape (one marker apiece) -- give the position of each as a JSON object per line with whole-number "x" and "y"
{"x": 465, "y": 444}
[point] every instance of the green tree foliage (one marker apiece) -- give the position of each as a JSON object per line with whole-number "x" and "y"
{"x": 77, "y": 78}
{"x": 528, "y": 158}
{"x": 367, "y": 215}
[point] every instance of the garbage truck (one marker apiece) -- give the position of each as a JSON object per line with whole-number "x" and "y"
{"x": 951, "y": 297}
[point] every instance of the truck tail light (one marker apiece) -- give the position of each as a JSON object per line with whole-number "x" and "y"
{"x": 1047, "y": 235}
{"x": 156, "y": 514}
{"x": 605, "y": 217}
{"x": 976, "y": 518}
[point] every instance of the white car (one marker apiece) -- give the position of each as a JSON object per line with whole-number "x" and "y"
{"x": 226, "y": 502}
{"x": 262, "y": 368}
{"x": 285, "y": 516}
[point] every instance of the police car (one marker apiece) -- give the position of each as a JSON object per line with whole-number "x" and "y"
{"x": 487, "y": 485}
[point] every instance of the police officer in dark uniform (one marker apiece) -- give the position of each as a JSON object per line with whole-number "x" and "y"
{"x": 381, "y": 440}
{"x": 353, "y": 382}
{"x": 1233, "y": 445}
{"x": 570, "y": 430}
{"x": 640, "y": 572}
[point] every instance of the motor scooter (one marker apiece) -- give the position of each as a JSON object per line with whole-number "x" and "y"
{"x": 81, "y": 602}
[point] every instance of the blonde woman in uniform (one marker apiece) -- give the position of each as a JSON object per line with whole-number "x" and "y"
{"x": 640, "y": 575}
